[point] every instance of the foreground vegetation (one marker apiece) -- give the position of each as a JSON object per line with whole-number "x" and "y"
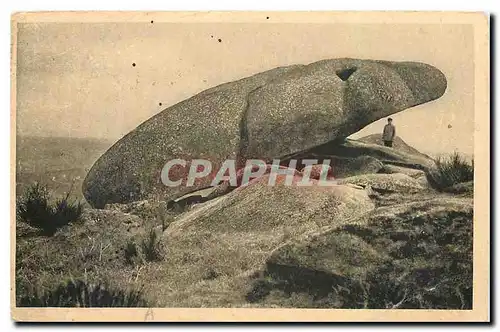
{"x": 119, "y": 256}
{"x": 450, "y": 171}
{"x": 69, "y": 256}
{"x": 78, "y": 293}
{"x": 36, "y": 209}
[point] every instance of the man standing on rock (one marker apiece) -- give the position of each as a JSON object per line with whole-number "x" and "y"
{"x": 389, "y": 133}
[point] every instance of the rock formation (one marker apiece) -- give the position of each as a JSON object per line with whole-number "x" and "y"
{"x": 274, "y": 114}
{"x": 409, "y": 255}
{"x": 379, "y": 237}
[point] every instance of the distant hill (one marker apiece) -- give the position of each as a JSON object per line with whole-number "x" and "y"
{"x": 35, "y": 154}
{"x": 58, "y": 162}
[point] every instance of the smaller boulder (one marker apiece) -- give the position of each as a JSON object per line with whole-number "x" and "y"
{"x": 392, "y": 169}
{"x": 330, "y": 251}
{"x": 417, "y": 174}
{"x": 345, "y": 167}
{"x": 385, "y": 183}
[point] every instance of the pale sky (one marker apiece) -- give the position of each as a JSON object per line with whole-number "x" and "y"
{"x": 77, "y": 79}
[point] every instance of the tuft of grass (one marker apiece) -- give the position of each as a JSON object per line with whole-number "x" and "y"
{"x": 210, "y": 274}
{"x": 131, "y": 252}
{"x": 450, "y": 170}
{"x": 151, "y": 247}
{"x": 82, "y": 294}
{"x": 164, "y": 215}
{"x": 34, "y": 208}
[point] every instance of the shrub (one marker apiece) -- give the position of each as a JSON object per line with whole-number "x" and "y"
{"x": 164, "y": 215}
{"x": 449, "y": 171}
{"x": 34, "y": 208}
{"x": 210, "y": 274}
{"x": 148, "y": 248}
{"x": 81, "y": 294}
{"x": 152, "y": 247}
{"x": 130, "y": 252}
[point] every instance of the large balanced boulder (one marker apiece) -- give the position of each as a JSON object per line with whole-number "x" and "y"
{"x": 269, "y": 115}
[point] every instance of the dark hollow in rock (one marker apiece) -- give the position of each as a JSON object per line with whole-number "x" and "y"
{"x": 344, "y": 74}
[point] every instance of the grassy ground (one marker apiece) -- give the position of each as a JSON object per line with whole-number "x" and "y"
{"x": 94, "y": 250}
{"x": 418, "y": 251}
{"x": 411, "y": 254}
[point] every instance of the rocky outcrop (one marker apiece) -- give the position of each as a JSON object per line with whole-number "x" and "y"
{"x": 411, "y": 172}
{"x": 385, "y": 183}
{"x": 269, "y": 115}
{"x": 398, "y": 144}
{"x": 336, "y": 253}
{"x": 410, "y": 255}
{"x": 259, "y": 207}
{"x": 345, "y": 167}
{"x": 350, "y": 148}
{"x": 235, "y": 233}
{"x": 416, "y": 174}
{"x": 378, "y": 237}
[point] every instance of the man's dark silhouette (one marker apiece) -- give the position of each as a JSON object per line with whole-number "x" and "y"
{"x": 389, "y": 133}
